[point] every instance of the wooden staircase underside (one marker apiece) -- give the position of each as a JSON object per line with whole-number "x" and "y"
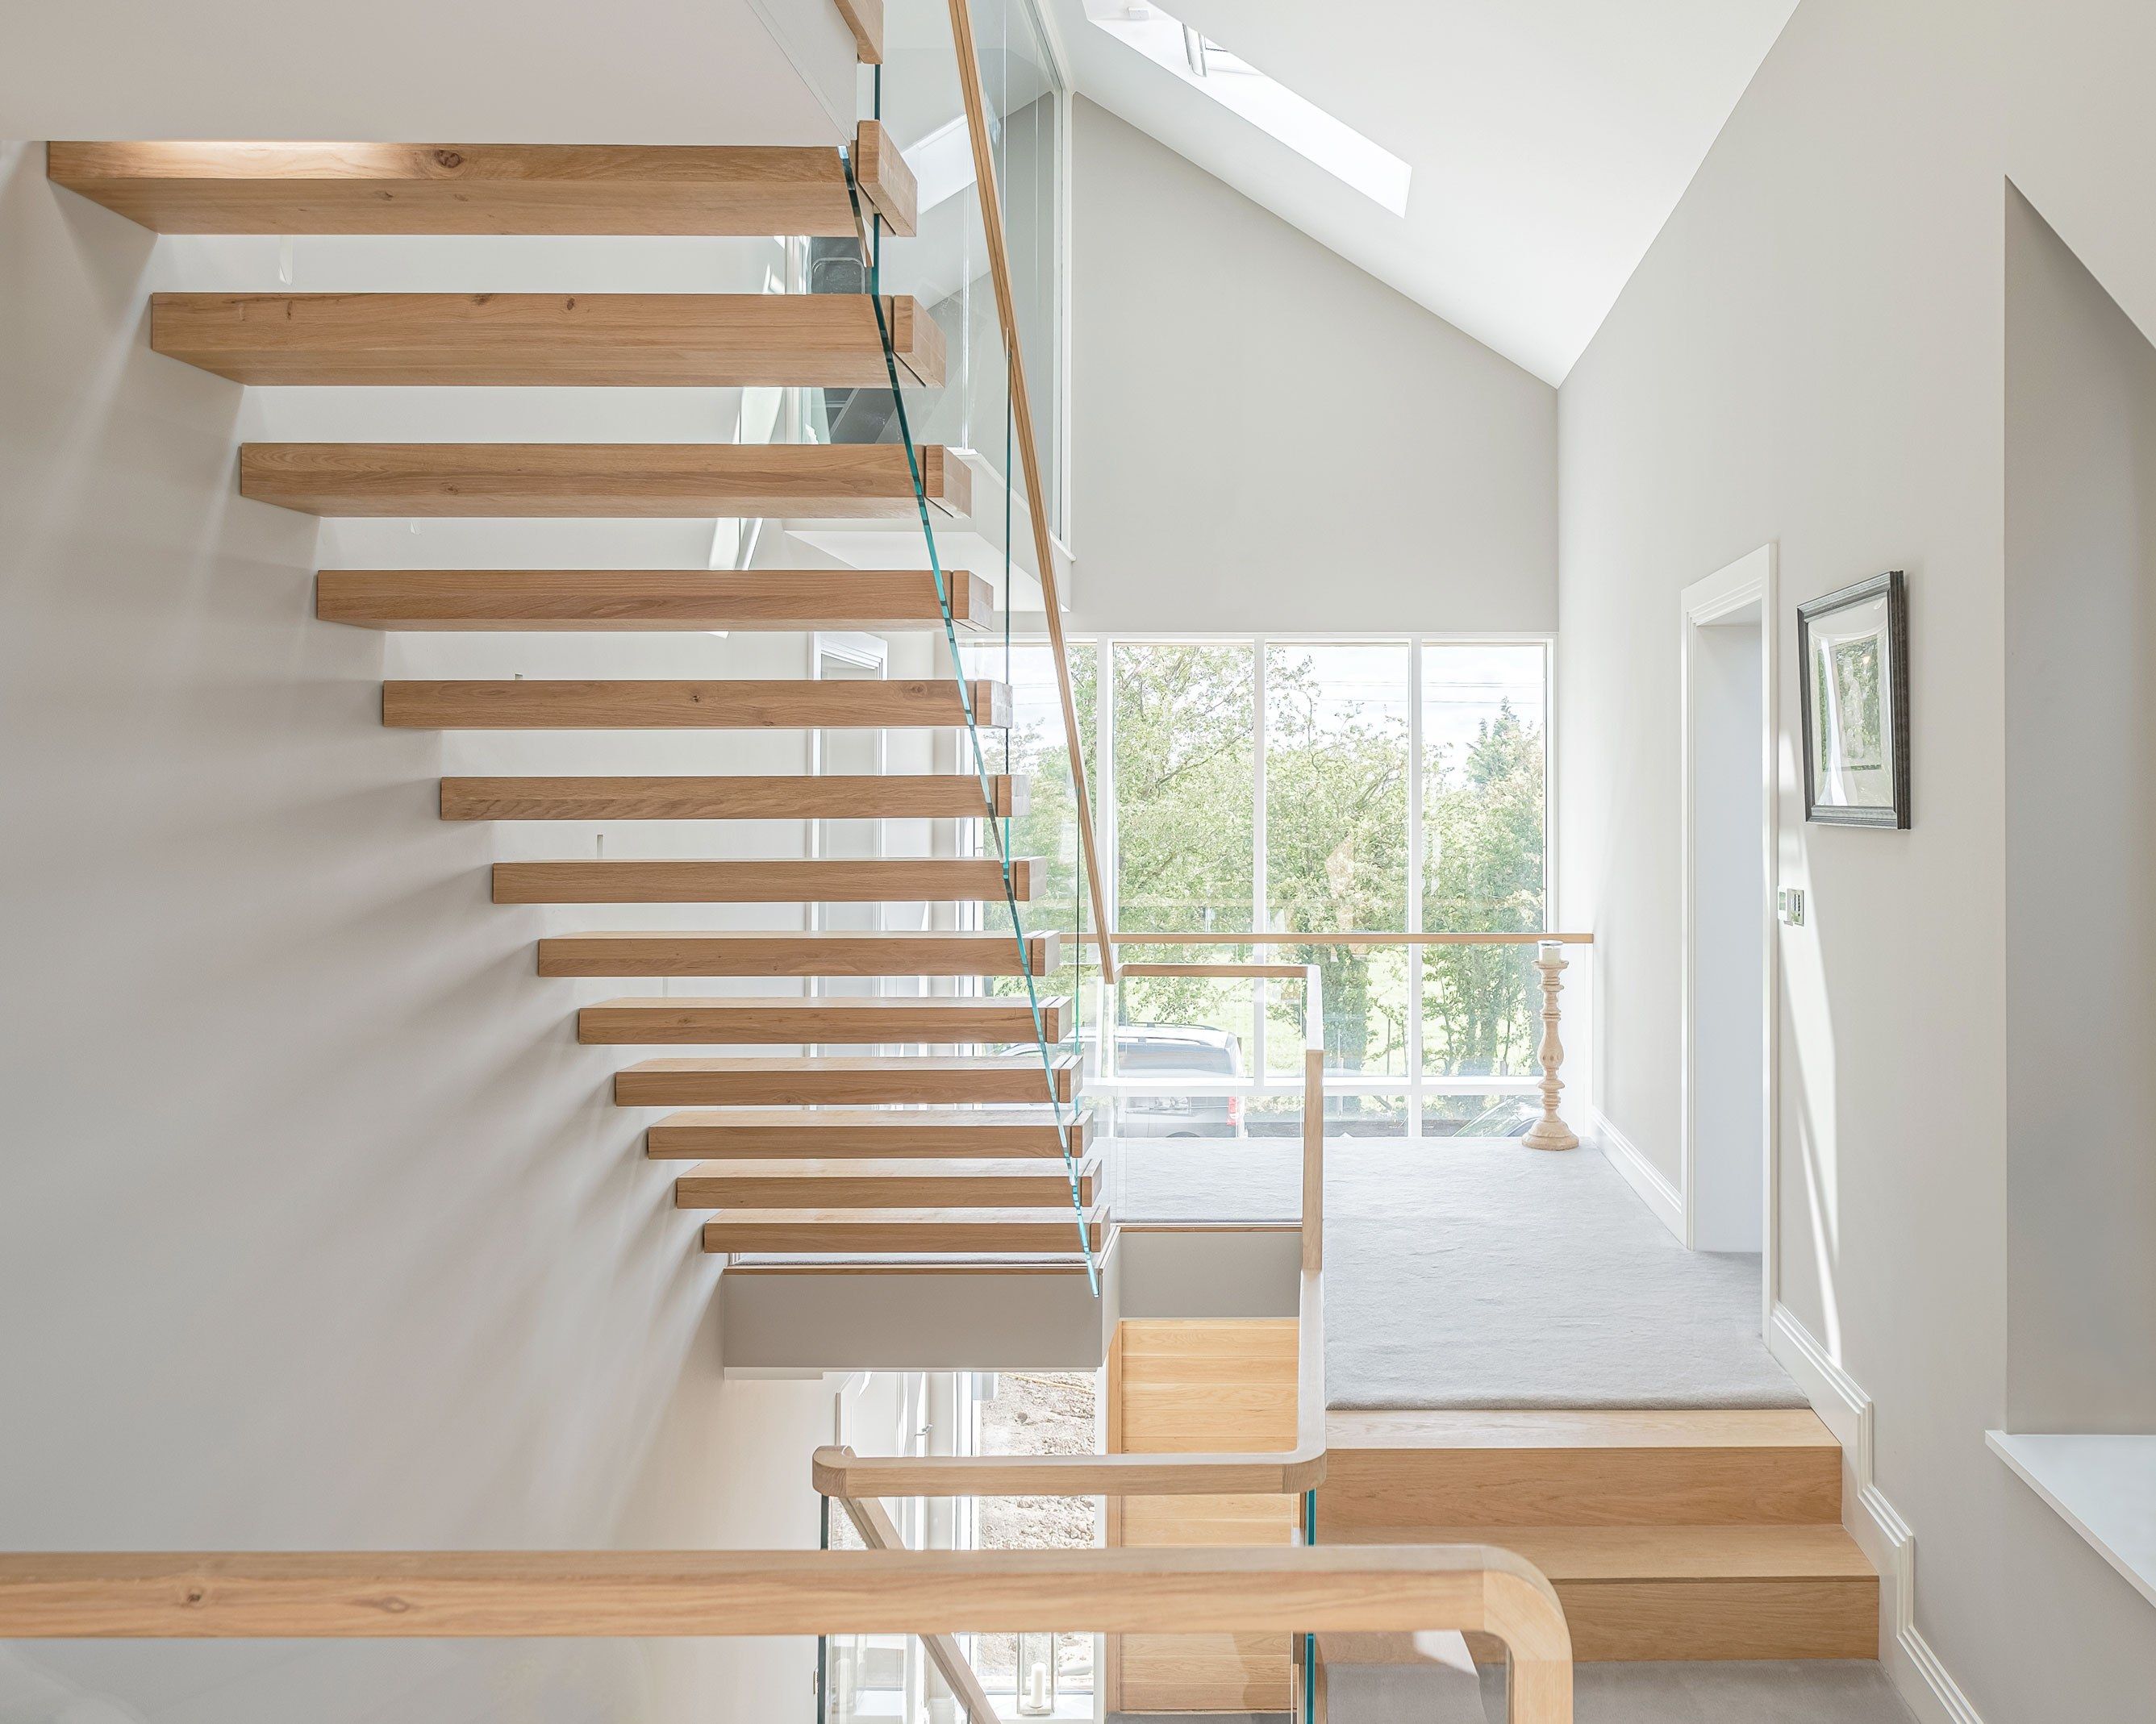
{"x": 939, "y": 1131}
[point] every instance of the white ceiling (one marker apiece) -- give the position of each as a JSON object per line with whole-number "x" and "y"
{"x": 1549, "y": 139}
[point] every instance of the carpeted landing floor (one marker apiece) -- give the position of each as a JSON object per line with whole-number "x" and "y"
{"x": 1475, "y": 1273}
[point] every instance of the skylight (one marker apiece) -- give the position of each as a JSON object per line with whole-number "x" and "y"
{"x": 1270, "y": 106}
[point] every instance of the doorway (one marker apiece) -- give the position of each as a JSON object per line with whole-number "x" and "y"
{"x": 1727, "y": 1111}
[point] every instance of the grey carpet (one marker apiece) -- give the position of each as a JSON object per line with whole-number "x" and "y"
{"x": 1808, "y": 1692}
{"x": 1482, "y": 1274}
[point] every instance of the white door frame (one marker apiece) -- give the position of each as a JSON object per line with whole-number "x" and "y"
{"x": 1751, "y": 578}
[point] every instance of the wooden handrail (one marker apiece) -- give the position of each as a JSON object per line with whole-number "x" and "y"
{"x": 879, "y": 1533}
{"x": 434, "y": 1594}
{"x": 1029, "y": 451}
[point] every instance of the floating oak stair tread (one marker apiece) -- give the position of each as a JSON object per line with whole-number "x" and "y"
{"x": 866, "y": 1263}
{"x": 819, "y": 952}
{"x": 1684, "y": 1592}
{"x": 753, "y": 190}
{"x": 608, "y": 599}
{"x": 627, "y": 340}
{"x": 655, "y": 704}
{"x": 1393, "y": 1468}
{"x": 828, "y": 1021}
{"x": 796, "y": 880}
{"x": 851, "y": 1184}
{"x": 846, "y": 1232}
{"x": 864, "y": 18}
{"x": 601, "y": 481}
{"x": 832, "y": 1133}
{"x": 786, "y": 1083}
{"x": 913, "y": 796}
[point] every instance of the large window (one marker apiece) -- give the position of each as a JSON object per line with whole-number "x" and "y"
{"x": 1280, "y": 787}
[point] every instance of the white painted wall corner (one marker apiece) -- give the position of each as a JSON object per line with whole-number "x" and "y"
{"x": 1642, "y": 1175}
{"x": 1878, "y": 1528}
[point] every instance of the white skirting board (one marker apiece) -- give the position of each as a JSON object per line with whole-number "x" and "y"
{"x": 1642, "y": 1175}
{"x": 1873, "y": 1522}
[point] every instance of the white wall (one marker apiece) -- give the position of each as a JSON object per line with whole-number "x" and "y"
{"x": 1265, "y": 437}
{"x": 1811, "y": 355}
{"x": 317, "y": 1227}
{"x": 2081, "y": 845}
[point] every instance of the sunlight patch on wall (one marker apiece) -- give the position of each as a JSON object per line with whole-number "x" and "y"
{"x": 1267, "y": 103}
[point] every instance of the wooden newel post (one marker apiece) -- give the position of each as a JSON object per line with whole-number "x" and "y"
{"x": 1549, "y": 1131}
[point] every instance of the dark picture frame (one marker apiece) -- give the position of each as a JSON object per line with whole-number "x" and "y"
{"x": 1853, "y": 682}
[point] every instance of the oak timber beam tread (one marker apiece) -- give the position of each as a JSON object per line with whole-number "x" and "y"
{"x": 752, "y": 190}
{"x": 864, "y": 18}
{"x": 821, "y": 952}
{"x": 654, "y": 704}
{"x": 882, "y": 1185}
{"x": 601, "y": 481}
{"x": 1702, "y": 1466}
{"x": 904, "y": 1231}
{"x": 830, "y": 1021}
{"x": 832, "y": 1133}
{"x": 799, "y": 880}
{"x": 834, "y": 797}
{"x": 1687, "y": 1592}
{"x": 744, "y": 1081}
{"x": 607, "y": 599}
{"x": 498, "y": 339}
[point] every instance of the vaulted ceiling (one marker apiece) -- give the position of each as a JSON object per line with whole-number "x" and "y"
{"x": 1548, "y": 139}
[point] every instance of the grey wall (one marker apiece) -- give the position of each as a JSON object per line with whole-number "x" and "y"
{"x": 1811, "y": 355}
{"x": 1264, "y": 437}
{"x": 2081, "y": 845}
{"x": 317, "y": 1227}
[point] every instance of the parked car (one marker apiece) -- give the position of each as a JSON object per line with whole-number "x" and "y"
{"x": 1154, "y": 1051}
{"x": 1512, "y": 1117}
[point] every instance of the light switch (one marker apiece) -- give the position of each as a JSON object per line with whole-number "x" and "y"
{"x": 1792, "y": 902}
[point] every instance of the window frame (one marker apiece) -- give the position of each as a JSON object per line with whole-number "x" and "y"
{"x": 1416, "y": 1085}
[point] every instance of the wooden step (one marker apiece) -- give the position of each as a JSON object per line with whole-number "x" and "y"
{"x": 864, "y": 18}
{"x": 1691, "y": 1592}
{"x": 601, "y": 481}
{"x": 823, "y": 952}
{"x": 922, "y": 879}
{"x": 787, "y": 1083}
{"x": 835, "y": 1133}
{"x": 882, "y": 1185}
{"x": 488, "y": 189}
{"x": 849, "y": 1232}
{"x": 628, "y": 340}
{"x": 651, "y": 704}
{"x": 604, "y": 599}
{"x": 818, "y": 1022}
{"x": 1701, "y": 1467}
{"x": 836, "y": 797}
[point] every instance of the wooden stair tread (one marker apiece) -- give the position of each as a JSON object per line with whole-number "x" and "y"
{"x": 650, "y": 599}
{"x": 1531, "y": 1428}
{"x": 488, "y": 189}
{"x": 864, "y": 18}
{"x": 745, "y": 1020}
{"x": 882, "y": 1185}
{"x": 1394, "y": 1468}
{"x": 837, "y": 796}
{"x": 601, "y": 481}
{"x": 743, "y": 1082}
{"x": 1686, "y": 1553}
{"x": 795, "y": 880}
{"x": 766, "y": 1133}
{"x": 899, "y": 1230}
{"x": 819, "y": 952}
{"x": 622, "y": 340}
{"x": 653, "y": 703}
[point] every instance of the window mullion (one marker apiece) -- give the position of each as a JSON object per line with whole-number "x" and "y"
{"x": 1259, "y": 921}
{"x": 1415, "y": 885}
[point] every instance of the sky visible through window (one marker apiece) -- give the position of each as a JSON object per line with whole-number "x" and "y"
{"x": 1214, "y": 71}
